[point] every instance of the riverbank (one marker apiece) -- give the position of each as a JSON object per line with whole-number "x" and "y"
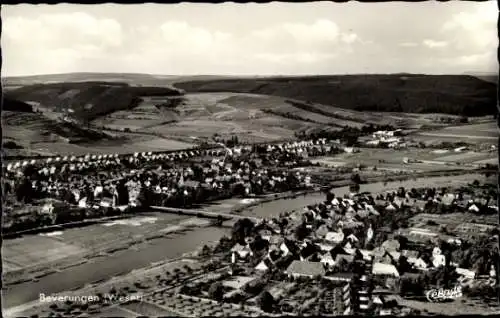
{"x": 165, "y": 225}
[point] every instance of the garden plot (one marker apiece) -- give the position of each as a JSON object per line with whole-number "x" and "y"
{"x": 144, "y": 308}
{"x": 35, "y": 249}
{"x": 118, "y": 312}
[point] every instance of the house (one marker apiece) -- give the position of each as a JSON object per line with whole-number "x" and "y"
{"x": 305, "y": 269}
{"x": 334, "y": 237}
{"x": 327, "y": 260}
{"x": 242, "y": 251}
{"x": 390, "y": 245}
{"x": 438, "y": 260}
{"x": 351, "y": 150}
{"x": 348, "y": 247}
{"x": 409, "y": 253}
{"x": 398, "y": 203}
{"x": 288, "y": 247}
{"x": 362, "y": 214}
{"x": 385, "y": 312}
{"x": 471, "y": 228}
{"x": 307, "y": 251}
{"x": 340, "y": 277}
{"x": 351, "y": 224}
{"x": 465, "y": 272}
{"x": 390, "y": 207}
{"x": 325, "y": 247}
{"x": 448, "y": 199}
{"x": 381, "y": 269}
{"x": 352, "y": 238}
{"x": 473, "y": 208}
{"x": 418, "y": 263}
{"x": 266, "y": 235}
{"x": 367, "y": 255}
{"x": 264, "y": 265}
{"x": 340, "y": 258}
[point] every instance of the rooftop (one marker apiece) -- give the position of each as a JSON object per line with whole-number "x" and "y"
{"x": 306, "y": 268}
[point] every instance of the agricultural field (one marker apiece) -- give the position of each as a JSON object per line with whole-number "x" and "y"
{"x": 30, "y": 250}
{"x": 377, "y": 156}
{"x": 468, "y": 157}
{"x": 32, "y": 134}
{"x": 146, "y": 114}
{"x": 452, "y": 219}
{"x": 250, "y": 117}
{"x": 475, "y": 133}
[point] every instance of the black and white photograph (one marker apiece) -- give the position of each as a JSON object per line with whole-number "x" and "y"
{"x": 250, "y": 159}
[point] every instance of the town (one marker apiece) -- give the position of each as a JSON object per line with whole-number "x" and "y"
{"x": 359, "y": 253}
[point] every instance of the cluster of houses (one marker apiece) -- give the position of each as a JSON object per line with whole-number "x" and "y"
{"x": 336, "y": 247}
{"x": 116, "y": 181}
{"x": 390, "y": 139}
{"x": 53, "y": 165}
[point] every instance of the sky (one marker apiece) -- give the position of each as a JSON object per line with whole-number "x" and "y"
{"x": 251, "y": 39}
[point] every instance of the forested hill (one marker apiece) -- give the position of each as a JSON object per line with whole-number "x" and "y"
{"x": 414, "y": 93}
{"x": 87, "y": 100}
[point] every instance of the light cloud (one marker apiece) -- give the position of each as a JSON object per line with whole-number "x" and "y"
{"x": 276, "y": 38}
{"x": 408, "y": 44}
{"x": 475, "y": 31}
{"x": 63, "y": 30}
{"x": 435, "y": 44}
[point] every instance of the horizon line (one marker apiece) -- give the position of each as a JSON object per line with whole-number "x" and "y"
{"x": 253, "y": 75}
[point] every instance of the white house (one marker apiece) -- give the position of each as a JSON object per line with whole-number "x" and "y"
{"x": 473, "y": 208}
{"x": 438, "y": 260}
{"x": 241, "y": 251}
{"x": 418, "y": 262}
{"x": 390, "y": 207}
{"x": 350, "y": 150}
{"x": 384, "y": 270}
{"x": 465, "y": 272}
{"x": 284, "y": 248}
{"x": 334, "y": 237}
{"x": 352, "y": 238}
{"x": 262, "y": 266}
{"x": 327, "y": 260}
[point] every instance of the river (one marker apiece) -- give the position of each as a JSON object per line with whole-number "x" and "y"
{"x": 274, "y": 208}
{"x": 103, "y": 268}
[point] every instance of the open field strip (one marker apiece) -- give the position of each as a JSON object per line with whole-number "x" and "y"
{"x": 493, "y": 161}
{"x": 457, "y": 136}
{"x": 80, "y": 244}
{"x": 466, "y": 157}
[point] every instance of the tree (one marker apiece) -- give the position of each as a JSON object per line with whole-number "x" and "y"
{"x": 242, "y": 229}
{"x": 354, "y": 188}
{"x": 301, "y": 232}
{"x": 266, "y": 301}
{"x": 216, "y": 291}
{"x": 356, "y": 178}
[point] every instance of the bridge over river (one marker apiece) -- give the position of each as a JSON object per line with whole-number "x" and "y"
{"x": 206, "y": 214}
